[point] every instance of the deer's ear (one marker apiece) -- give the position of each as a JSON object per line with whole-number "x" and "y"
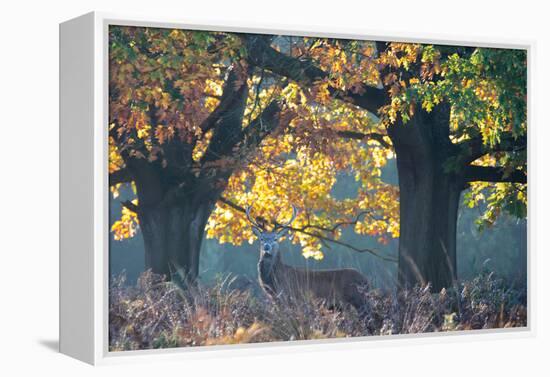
{"x": 283, "y": 232}
{"x": 256, "y": 231}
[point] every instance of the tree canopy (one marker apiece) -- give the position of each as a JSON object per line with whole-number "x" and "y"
{"x": 315, "y": 109}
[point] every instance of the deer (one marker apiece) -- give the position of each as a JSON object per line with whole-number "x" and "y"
{"x": 336, "y": 287}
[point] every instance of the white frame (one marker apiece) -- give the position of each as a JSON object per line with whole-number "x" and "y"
{"x": 84, "y": 118}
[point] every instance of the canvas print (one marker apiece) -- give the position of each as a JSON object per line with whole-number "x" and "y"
{"x": 268, "y": 188}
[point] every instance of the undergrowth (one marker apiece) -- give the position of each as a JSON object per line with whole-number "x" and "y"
{"x": 158, "y": 314}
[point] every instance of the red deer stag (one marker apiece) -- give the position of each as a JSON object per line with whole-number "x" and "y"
{"x": 335, "y": 287}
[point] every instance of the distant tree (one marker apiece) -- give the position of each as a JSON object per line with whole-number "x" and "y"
{"x": 203, "y": 124}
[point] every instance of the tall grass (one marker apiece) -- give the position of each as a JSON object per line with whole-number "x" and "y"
{"x": 158, "y": 314}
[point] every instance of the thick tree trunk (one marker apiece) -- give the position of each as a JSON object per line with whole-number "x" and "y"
{"x": 173, "y": 236}
{"x": 429, "y": 196}
{"x": 428, "y": 211}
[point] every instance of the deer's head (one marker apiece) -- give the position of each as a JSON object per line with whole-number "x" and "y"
{"x": 269, "y": 240}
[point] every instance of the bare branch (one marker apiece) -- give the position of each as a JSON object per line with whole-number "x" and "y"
{"x": 321, "y": 237}
{"x": 232, "y": 204}
{"x": 345, "y": 244}
{"x": 337, "y": 225}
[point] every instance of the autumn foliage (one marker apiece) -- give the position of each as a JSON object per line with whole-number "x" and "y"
{"x": 298, "y": 164}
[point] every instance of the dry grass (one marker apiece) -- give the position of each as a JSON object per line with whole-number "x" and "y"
{"x": 158, "y": 314}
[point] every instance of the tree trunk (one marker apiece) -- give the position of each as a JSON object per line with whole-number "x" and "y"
{"x": 429, "y": 196}
{"x": 173, "y": 236}
{"x": 428, "y": 218}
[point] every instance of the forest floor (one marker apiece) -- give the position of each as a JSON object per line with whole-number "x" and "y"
{"x": 158, "y": 314}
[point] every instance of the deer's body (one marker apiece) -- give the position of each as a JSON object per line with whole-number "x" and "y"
{"x": 335, "y": 287}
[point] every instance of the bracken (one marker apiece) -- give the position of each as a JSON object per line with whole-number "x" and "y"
{"x": 158, "y": 314}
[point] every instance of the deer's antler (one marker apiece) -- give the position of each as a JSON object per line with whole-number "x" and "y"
{"x": 294, "y": 213}
{"x": 252, "y": 221}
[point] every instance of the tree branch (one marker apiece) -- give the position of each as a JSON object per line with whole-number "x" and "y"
{"x": 345, "y": 244}
{"x": 261, "y": 54}
{"x": 131, "y": 206}
{"x": 262, "y": 125}
{"x": 475, "y": 148}
{"x": 381, "y": 46}
{"x": 372, "y": 99}
{"x": 303, "y": 71}
{"x": 122, "y": 175}
{"x": 242, "y": 142}
{"x": 303, "y": 230}
{"x": 474, "y": 173}
{"x": 230, "y": 91}
{"x": 337, "y": 225}
{"x": 227, "y": 118}
{"x": 365, "y": 136}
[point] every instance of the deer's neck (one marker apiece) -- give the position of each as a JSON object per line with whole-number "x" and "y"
{"x": 268, "y": 269}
